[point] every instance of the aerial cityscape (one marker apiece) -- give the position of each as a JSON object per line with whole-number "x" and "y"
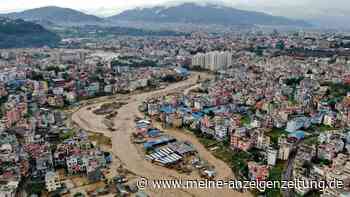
{"x": 174, "y": 98}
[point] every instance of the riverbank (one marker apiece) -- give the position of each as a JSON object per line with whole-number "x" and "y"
{"x": 130, "y": 158}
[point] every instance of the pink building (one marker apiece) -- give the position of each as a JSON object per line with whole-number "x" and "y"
{"x": 257, "y": 171}
{"x": 14, "y": 113}
{"x": 240, "y": 143}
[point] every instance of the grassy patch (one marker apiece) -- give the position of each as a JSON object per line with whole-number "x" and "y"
{"x": 35, "y": 187}
{"x": 236, "y": 160}
{"x": 67, "y": 134}
{"x": 337, "y": 90}
{"x": 223, "y": 154}
{"x": 245, "y": 120}
{"x": 322, "y": 128}
{"x": 293, "y": 81}
{"x": 207, "y": 142}
{"x": 275, "y": 134}
{"x": 275, "y": 174}
{"x": 311, "y": 140}
{"x": 100, "y": 139}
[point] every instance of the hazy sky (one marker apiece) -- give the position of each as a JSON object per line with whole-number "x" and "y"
{"x": 307, "y": 9}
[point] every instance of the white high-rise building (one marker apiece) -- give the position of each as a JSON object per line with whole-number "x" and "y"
{"x": 213, "y": 60}
{"x": 271, "y": 156}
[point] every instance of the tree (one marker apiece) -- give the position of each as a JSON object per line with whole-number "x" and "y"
{"x": 259, "y": 51}
{"x": 275, "y": 174}
{"x": 211, "y": 114}
{"x": 280, "y": 45}
{"x": 35, "y": 188}
{"x": 79, "y": 194}
{"x": 65, "y": 76}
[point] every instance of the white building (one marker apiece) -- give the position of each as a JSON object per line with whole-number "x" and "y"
{"x": 213, "y": 60}
{"x": 52, "y": 181}
{"x": 284, "y": 151}
{"x": 76, "y": 164}
{"x": 220, "y": 132}
{"x": 9, "y": 189}
{"x": 329, "y": 119}
{"x": 271, "y": 156}
{"x": 263, "y": 141}
{"x": 62, "y": 57}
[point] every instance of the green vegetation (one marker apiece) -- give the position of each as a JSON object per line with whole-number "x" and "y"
{"x": 239, "y": 163}
{"x": 275, "y": 174}
{"x": 245, "y": 119}
{"x": 207, "y": 142}
{"x": 25, "y": 34}
{"x": 133, "y": 63}
{"x": 313, "y": 194}
{"x": 337, "y": 91}
{"x": 78, "y": 194}
{"x": 321, "y": 128}
{"x": 236, "y": 160}
{"x": 66, "y": 135}
{"x": 311, "y": 140}
{"x": 259, "y": 51}
{"x": 316, "y": 129}
{"x": 255, "y": 155}
{"x": 3, "y": 100}
{"x": 35, "y": 188}
{"x": 293, "y": 81}
{"x": 94, "y": 31}
{"x": 321, "y": 161}
{"x": 280, "y": 45}
{"x": 37, "y": 76}
{"x": 100, "y": 139}
{"x": 275, "y": 134}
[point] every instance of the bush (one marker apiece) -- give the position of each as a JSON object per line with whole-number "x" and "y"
{"x": 79, "y": 194}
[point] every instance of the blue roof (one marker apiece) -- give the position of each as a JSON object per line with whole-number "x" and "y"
{"x": 298, "y": 134}
{"x": 153, "y": 132}
{"x": 167, "y": 109}
{"x": 16, "y": 83}
{"x": 182, "y": 71}
{"x": 208, "y": 109}
{"x": 220, "y": 109}
{"x": 197, "y": 115}
{"x": 162, "y": 140}
{"x": 108, "y": 158}
{"x": 141, "y": 125}
{"x": 184, "y": 109}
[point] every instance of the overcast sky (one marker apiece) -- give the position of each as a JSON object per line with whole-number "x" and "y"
{"x": 306, "y": 9}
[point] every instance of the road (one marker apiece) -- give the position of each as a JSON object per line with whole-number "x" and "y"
{"x": 288, "y": 174}
{"x": 132, "y": 159}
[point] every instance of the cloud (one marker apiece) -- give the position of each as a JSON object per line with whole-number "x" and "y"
{"x": 301, "y": 9}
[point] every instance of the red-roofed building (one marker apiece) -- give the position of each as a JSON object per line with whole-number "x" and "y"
{"x": 257, "y": 171}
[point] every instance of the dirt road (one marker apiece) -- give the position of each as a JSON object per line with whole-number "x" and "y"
{"x": 129, "y": 156}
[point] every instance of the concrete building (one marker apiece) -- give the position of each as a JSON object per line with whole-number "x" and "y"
{"x": 213, "y": 61}
{"x": 271, "y": 156}
{"x": 284, "y": 151}
{"x": 52, "y": 181}
{"x": 9, "y": 189}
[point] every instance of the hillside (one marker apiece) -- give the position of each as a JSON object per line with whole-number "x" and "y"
{"x": 55, "y": 15}
{"x": 200, "y": 14}
{"x": 22, "y": 34}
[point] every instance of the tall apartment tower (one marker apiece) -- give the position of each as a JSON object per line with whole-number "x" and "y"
{"x": 213, "y": 61}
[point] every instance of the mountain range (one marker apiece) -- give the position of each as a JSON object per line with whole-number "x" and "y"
{"x": 17, "y": 33}
{"x": 204, "y": 14}
{"x": 56, "y": 15}
{"x": 187, "y": 13}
